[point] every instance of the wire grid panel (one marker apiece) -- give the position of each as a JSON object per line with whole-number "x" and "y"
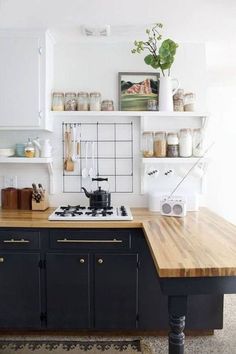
{"x": 105, "y": 150}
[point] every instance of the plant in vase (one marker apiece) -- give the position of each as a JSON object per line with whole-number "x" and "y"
{"x": 160, "y": 57}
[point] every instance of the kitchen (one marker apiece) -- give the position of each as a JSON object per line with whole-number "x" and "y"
{"x": 71, "y": 62}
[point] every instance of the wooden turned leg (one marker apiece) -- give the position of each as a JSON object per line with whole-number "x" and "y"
{"x": 177, "y": 306}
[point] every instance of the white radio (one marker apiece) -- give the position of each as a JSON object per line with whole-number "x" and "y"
{"x": 173, "y": 206}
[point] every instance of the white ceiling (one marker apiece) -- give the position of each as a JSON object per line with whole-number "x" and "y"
{"x": 184, "y": 20}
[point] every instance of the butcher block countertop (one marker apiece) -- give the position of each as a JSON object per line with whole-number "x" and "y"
{"x": 202, "y": 244}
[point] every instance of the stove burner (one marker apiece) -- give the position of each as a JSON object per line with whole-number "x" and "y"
{"x": 76, "y": 207}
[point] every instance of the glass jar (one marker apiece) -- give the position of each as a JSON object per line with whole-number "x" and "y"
{"x": 58, "y": 101}
{"x": 29, "y": 149}
{"x": 198, "y": 142}
{"x": 172, "y": 145}
{"x": 152, "y": 105}
{"x": 185, "y": 143}
{"x": 178, "y": 105}
{"x": 83, "y": 101}
{"x": 70, "y": 101}
{"x": 147, "y": 144}
{"x": 107, "y": 105}
{"x": 160, "y": 144}
{"x": 95, "y": 101}
{"x": 189, "y": 101}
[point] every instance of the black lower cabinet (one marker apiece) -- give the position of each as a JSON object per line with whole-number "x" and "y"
{"x": 20, "y": 301}
{"x": 115, "y": 291}
{"x": 68, "y": 291}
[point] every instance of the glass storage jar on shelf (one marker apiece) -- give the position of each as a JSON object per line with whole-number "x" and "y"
{"x": 107, "y": 105}
{"x": 83, "y": 101}
{"x": 58, "y": 101}
{"x": 172, "y": 145}
{"x": 189, "y": 101}
{"x": 95, "y": 101}
{"x": 160, "y": 144}
{"x": 70, "y": 101}
{"x": 185, "y": 143}
{"x": 198, "y": 142}
{"x": 147, "y": 144}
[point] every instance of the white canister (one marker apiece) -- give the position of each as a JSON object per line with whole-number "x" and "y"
{"x": 46, "y": 148}
{"x": 185, "y": 143}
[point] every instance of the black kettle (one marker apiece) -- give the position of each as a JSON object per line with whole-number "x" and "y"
{"x": 98, "y": 199}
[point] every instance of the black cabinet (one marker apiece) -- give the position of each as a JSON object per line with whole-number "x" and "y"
{"x": 116, "y": 292}
{"x": 68, "y": 291}
{"x": 20, "y": 303}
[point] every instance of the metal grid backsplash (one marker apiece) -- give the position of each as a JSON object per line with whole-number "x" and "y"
{"x": 113, "y": 156}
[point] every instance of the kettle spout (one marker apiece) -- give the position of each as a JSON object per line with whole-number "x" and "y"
{"x": 86, "y": 192}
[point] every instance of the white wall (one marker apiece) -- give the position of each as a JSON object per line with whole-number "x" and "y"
{"x": 95, "y": 67}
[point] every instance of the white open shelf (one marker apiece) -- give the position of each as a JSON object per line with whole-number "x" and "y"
{"x": 175, "y": 160}
{"x": 34, "y": 160}
{"x": 127, "y": 114}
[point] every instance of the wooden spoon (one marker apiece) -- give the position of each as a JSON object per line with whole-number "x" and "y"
{"x": 69, "y": 164}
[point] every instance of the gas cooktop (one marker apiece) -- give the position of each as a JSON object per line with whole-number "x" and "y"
{"x": 82, "y": 213}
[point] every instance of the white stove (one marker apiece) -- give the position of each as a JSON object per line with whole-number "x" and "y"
{"x": 82, "y": 213}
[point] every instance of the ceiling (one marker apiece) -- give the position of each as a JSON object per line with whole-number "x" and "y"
{"x": 184, "y": 20}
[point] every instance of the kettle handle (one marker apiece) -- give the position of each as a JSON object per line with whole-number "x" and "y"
{"x": 100, "y": 179}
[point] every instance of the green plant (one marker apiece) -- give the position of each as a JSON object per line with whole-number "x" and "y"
{"x": 161, "y": 56}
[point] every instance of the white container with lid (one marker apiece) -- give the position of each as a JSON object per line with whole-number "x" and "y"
{"x": 185, "y": 143}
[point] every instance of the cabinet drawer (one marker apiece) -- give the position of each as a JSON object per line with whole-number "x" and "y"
{"x": 110, "y": 239}
{"x": 19, "y": 239}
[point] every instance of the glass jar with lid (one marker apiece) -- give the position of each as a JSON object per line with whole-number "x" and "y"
{"x": 189, "y": 101}
{"x": 147, "y": 144}
{"x": 107, "y": 105}
{"x": 198, "y": 142}
{"x": 95, "y": 101}
{"x": 160, "y": 144}
{"x": 29, "y": 149}
{"x": 185, "y": 143}
{"x": 58, "y": 101}
{"x": 70, "y": 101}
{"x": 83, "y": 101}
{"x": 172, "y": 145}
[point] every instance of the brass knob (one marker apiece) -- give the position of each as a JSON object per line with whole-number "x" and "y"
{"x": 82, "y": 260}
{"x": 100, "y": 261}
{"x": 1, "y": 259}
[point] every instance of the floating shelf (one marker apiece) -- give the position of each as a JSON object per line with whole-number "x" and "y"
{"x": 174, "y": 160}
{"x": 127, "y": 114}
{"x": 35, "y": 160}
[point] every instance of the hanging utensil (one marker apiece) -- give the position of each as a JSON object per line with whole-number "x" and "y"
{"x": 74, "y": 152}
{"x": 69, "y": 164}
{"x": 92, "y": 172}
{"x": 85, "y": 169}
{"x": 78, "y": 139}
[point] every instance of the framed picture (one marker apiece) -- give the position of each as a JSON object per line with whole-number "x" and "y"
{"x": 138, "y": 91}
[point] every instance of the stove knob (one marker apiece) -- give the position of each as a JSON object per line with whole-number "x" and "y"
{"x": 82, "y": 260}
{"x": 100, "y": 260}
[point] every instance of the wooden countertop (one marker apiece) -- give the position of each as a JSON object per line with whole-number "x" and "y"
{"x": 200, "y": 245}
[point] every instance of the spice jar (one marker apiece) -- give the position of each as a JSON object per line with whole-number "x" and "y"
{"x": 70, "y": 101}
{"x": 152, "y": 105}
{"x": 189, "y": 101}
{"x": 178, "y": 100}
{"x": 160, "y": 144}
{"x": 29, "y": 149}
{"x": 198, "y": 142}
{"x": 147, "y": 144}
{"x": 172, "y": 145}
{"x": 95, "y": 101}
{"x": 83, "y": 101}
{"x": 185, "y": 143}
{"x": 107, "y": 105}
{"x": 58, "y": 101}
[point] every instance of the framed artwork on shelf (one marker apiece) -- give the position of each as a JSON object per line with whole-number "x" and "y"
{"x": 138, "y": 91}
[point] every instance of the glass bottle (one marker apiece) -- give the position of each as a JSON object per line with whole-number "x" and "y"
{"x": 29, "y": 149}
{"x": 58, "y": 101}
{"x": 70, "y": 101}
{"x": 147, "y": 144}
{"x": 95, "y": 101}
{"x": 185, "y": 143}
{"x": 198, "y": 142}
{"x": 172, "y": 145}
{"x": 83, "y": 101}
{"x": 160, "y": 144}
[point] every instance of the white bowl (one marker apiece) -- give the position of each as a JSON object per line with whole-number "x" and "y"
{"x": 7, "y": 152}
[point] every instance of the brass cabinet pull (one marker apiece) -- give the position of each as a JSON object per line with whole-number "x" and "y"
{"x": 1, "y": 259}
{"x": 82, "y": 260}
{"x": 16, "y": 241}
{"x": 100, "y": 260}
{"x": 65, "y": 240}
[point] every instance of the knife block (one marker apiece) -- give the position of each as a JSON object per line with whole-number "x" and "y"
{"x": 42, "y": 204}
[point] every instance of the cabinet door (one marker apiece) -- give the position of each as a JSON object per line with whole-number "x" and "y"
{"x": 20, "y": 81}
{"x": 20, "y": 290}
{"x": 68, "y": 292}
{"x": 116, "y": 291}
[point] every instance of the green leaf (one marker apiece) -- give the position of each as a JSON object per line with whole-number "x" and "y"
{"x": 149, "y": 59}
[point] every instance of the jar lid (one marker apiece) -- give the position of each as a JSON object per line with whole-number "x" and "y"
{"x": 95, "y": 94}
{"x": 58, "y": 93}
{"x": 82, "y": 93}
{"x": 147, "y": 132}
{"x": 70, "y": 94}
{"x": 198, "y": 130}
{"x": 172, "y": 134}
{"x": 107, "y": 101}
{"x": 160, "y": 132}
{"x": 185, "y": 130}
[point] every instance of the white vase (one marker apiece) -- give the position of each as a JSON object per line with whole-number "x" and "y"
{"x": 166, "y": 92}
